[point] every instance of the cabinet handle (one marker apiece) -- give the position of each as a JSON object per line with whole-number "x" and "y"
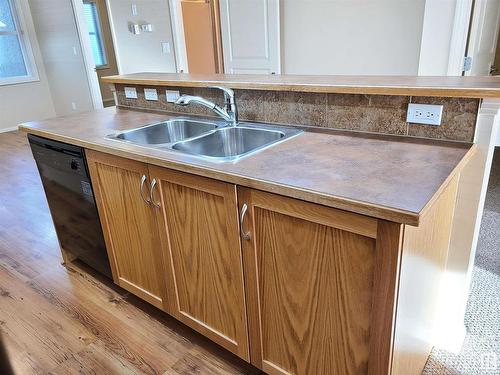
{"x": 145, "y": 199}
{"x": 151, "y": 193}
{"x": 244, "y": 208}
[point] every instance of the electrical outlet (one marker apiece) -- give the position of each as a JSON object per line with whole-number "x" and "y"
{"x": 172, "y": 96}
{"x": 130, "y": 93}
{"x": 150, "y": 94}
{"x": 424, "y": 114}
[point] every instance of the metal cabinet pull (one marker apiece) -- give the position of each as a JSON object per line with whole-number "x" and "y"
{"x": 151, "y": 193}
{"x": 244, "y": 208}
{"x": 144, "y": 198}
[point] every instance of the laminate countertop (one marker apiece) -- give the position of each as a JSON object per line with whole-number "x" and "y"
{"x": 388, "y": 177}
{"x": 463, "y": 87}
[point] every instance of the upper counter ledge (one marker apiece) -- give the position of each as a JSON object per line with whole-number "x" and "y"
{"x": 463, "y": 87}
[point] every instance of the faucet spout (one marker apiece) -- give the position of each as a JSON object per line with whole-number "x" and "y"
{"x": 229, "y": 113}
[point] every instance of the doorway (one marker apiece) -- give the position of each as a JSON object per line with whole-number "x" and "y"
{"x": 101, "y": 43}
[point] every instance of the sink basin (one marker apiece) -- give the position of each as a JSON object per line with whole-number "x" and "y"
{"x": 166, "y": 132}
{"x": 230, "y": 143}
{"x": 207, "y": 139}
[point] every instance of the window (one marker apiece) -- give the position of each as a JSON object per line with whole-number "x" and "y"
{"x": 16, "y": 59}
{"x": 96, "y": 43}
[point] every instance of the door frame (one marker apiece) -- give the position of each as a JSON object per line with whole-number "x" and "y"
{"x": 88, "y": 59}
{"x": 453, "y": 40}
{"x": 177, "y": 23}
{"x": 477, "y": 28}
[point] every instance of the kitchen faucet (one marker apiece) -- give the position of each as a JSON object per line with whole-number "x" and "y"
{"x": 228, "y": 113}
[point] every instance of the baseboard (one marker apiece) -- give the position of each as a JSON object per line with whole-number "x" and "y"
{"x": 12, "y": 128}
{"x": 452, "y": 339}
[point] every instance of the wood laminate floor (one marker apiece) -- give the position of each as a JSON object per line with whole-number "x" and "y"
{"x": 62, "y": 320}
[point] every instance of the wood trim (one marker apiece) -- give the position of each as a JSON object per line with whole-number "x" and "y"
{"x": 348, "y": 221}
{"x": 91, "y": 157}
{"x": 67, "y": 256}
{"x": 453, "y": 176}
{"x": 463, "y": 87}
{"x": 386, "y": 279}
{"x": 219, "y": 58}
{"x": 250, "y": 272}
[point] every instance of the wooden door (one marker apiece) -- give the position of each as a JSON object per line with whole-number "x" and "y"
{"x": 129, "y": 225}
{"x": 250, "y": 33}
{"x": 309, "y": 279}
{"x": 200, "y": 240}
{"x": 202, "y": 36}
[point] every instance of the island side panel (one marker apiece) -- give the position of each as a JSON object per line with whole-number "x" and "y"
{"x": 471, "y": 196}
{"x": 423, "y": 264}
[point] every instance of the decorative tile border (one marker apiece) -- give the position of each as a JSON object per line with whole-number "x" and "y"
{"x": 371, "y": 113}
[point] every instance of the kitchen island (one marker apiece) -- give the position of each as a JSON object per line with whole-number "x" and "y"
{"x": 324, "y": 253}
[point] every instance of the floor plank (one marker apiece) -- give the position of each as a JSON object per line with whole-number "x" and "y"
{"x": 70, "y": 320}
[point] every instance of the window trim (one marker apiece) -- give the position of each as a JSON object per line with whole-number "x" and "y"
{"x": 100, "y": 36}
{"x": 26, "y": 48}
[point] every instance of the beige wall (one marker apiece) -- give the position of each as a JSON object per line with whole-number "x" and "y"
{"x": 351, "y": 37}
{"x": 143, "y": 52}
{"x": 26, "y": 101}
{"x": 62, "y": 55}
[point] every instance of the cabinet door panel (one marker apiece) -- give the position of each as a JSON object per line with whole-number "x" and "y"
{"x": 309, "y": 285}
{"x": 199, "y": 229}
{"x": 129, "y": 225}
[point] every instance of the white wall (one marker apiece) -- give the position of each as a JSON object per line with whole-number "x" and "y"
{"x": 62, "y": 55}
{"x": 143, "y": 52}
{"x": 444, "y": 37}
{"x": 351, "y": 37}
{"x": 26, "y": 101}
{"x": 436, "y": 37}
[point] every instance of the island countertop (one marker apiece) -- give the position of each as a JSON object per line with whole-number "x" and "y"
{"x": 389, "y": 177}
{"x": 463, "y": 87}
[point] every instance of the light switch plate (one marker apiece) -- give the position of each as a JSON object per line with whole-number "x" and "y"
{"x": 424, "y": 114}
{"x": 130, "y": 93}
{"x": 150, "y": 94}
{"x": 172, "y": 95}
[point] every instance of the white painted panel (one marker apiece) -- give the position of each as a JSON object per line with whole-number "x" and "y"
{"x": 250, "y": 71}
{"x": 248, "y": 41}
{"x": 250, "y": 36}
{"x": 483, "y": 36}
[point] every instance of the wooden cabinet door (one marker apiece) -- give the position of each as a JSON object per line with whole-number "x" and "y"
{"x": 129, "y": 225}
{"x": 309, "y": 279}
{"x": 198, "y": 220}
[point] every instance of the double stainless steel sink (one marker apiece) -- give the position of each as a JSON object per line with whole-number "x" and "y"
{"x": 213, "y": 140}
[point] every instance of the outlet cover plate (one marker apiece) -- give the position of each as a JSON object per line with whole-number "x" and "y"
{"x": 150, "y": 94}
{"x": 424, "y": 114}
{"x": 130, "y": 93}
{"x": 172, "y": 96}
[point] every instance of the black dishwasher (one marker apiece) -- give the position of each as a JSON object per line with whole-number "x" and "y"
{"x": 65, "y": 178}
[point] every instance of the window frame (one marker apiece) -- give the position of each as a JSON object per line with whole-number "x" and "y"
{"x": 26, "y": 48}
{"x": 99, "y": 35}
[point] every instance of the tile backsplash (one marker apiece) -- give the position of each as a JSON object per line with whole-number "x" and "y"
{"x": 372, "y": 113}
